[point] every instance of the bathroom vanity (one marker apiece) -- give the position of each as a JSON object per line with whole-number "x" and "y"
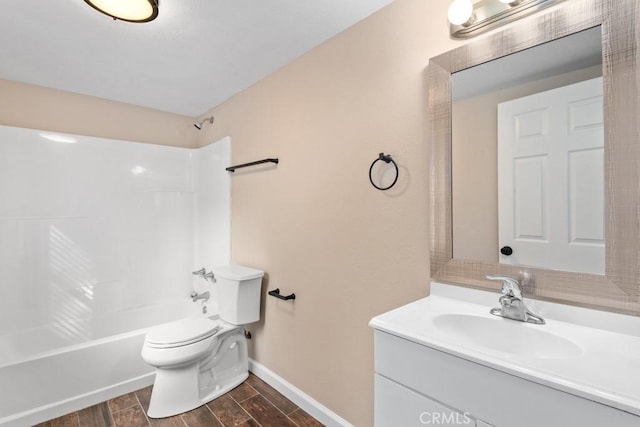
{"x": 444, "y": 360}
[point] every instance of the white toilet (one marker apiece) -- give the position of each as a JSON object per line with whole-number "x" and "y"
{"x": 200, "y": 358}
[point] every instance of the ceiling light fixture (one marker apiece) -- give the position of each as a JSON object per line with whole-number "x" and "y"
{"x": 127, "y": 10}
{"x": 469, "y": 18}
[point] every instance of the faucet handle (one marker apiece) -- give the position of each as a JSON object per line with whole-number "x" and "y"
{"x": 510, "y": 285}
{"x": 200, "y": 272}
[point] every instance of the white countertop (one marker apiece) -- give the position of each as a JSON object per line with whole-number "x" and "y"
{"x": 606, "y": 370}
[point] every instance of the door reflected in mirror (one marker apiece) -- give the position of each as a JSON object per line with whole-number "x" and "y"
{"x": 528, "y": 157}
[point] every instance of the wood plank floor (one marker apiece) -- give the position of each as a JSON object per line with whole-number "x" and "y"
{"x": 252, "y": 403}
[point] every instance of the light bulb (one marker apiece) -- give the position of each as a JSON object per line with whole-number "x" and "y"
{"x": 460, "y": 11}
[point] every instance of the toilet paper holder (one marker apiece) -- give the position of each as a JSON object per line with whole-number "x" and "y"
{"x": 276, "y": 293}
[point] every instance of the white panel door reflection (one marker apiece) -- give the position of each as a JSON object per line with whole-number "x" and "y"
{"x": 551, "y": 179}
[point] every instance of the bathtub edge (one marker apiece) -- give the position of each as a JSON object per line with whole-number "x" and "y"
{"x": 57, "y": 409}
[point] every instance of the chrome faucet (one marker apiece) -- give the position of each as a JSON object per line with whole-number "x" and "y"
{"x": 200, "y": 272}
{"x": 209, "y": 277}
{"x": 511, "y": 303}
{"x": 196, "y": 296}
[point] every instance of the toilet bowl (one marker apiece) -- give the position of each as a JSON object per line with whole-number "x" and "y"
{"x": 200, "y": 358}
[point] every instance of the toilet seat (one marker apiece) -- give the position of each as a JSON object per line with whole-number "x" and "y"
{"x": 182, "y": 332}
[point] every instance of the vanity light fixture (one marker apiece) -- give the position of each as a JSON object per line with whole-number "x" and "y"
{"x": 470, "y": 18}
{"x": 461, "y": 12}
{"x": 127, "y": 10}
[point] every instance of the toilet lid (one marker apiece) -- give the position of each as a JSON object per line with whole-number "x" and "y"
{"x": 182, "y": 332}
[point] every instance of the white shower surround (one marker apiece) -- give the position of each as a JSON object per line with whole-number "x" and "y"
{"x": 95, "y": 230}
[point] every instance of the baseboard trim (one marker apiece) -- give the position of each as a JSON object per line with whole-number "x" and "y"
{"x": 291, "y": 392}
{"x": 297, "y": 396}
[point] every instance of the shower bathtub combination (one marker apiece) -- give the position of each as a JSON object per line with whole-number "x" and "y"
{"x": 41, "y": 384}
{"x": 99, "y": 239}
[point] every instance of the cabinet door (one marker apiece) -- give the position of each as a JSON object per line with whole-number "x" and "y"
{"x": 396, "y": 405}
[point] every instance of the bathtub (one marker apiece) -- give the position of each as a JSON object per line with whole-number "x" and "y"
{"x": 42, "y": 377}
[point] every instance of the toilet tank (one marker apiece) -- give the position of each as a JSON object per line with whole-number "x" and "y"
{"x": 238, "y": 292}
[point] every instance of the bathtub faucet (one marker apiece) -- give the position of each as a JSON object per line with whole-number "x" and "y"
{"x": 209, "y": 277}
{"x": 196, "y": 296}
{"x": 200, "y": 272}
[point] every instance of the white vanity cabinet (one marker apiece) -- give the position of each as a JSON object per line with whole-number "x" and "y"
{"x": 416, "y": 386}
{"x": 425, "y": 375}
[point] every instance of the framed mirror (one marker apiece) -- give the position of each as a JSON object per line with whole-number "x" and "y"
{"x": 461, "y": 220}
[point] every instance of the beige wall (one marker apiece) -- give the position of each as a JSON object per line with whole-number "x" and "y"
{"x": 29, "y": 106}
{"x": 314, "y": 223}
{"x": 475, "y": 168}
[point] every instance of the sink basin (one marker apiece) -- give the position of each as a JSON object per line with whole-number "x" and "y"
{"x": 506, "y": 336}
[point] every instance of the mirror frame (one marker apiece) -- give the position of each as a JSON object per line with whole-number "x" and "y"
{"x": 618, "y": 289}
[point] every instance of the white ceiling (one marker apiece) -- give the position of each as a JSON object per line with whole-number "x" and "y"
{"x": 195, "y": 55}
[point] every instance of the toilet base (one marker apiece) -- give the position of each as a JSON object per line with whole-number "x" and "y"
{"x": 183, "y": 388}
{"x": 163, "y": 407}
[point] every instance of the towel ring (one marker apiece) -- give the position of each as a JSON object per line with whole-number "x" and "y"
{"x": 387, "y": 159}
